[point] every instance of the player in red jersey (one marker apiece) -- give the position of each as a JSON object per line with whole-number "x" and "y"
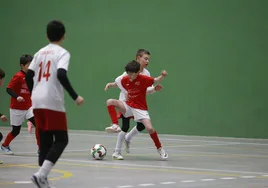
{"x": 136, "y": 86}
{"x": 46, "y": 79}
{"x": 20, "y": 104}
{"x": 2, "y": 116}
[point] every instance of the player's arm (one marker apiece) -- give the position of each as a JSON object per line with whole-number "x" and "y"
{"x": 63, "y": 78}
{"x": 31, "y": 73}
{"x": 10, "y": 88}
{"x": 161, "y": 77}
{"x": 110, "y": 85}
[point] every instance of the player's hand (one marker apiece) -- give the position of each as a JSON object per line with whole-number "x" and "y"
{"x": 164, "y": 73}
{"x": 158, "y": 87}
{"x": 107, "y": 87}
{"x": 3, "y": 118}
{"x": 20, "y": 99}
{"x": 79, "y": 101}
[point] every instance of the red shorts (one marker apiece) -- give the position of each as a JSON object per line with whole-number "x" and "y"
{"x": 50, "y": 120}
{"x": 119, "y": 115}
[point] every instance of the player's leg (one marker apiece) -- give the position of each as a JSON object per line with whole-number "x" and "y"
{"x": 134, "y": 131}
{"x": 56, "y": 125}
{"x": 127, "y": 113}
{"x": 121, "y": 137}
{"x": 16, "y": 119}
{"x": 112, "y": 104}
{"x": 143, "y": 117}
{"x": 153, "y": 134}
{"x": 30, "y": 117}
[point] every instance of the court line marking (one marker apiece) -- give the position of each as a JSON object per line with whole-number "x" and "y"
{"x": 166, "y": 167}
{"x": 145, "y": 136}
{"x": 65, "y": 174}
{"x": 158, "y": 167}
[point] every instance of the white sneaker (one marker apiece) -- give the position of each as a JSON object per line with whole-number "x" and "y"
{"x": 113, "y": 129}
{"x": 162, "y": 153}
{"x": 117, "y": 156}
{"x": 40, "y": 182}
{"x": 127, "y": 143}
{"x": 7, "y": 150}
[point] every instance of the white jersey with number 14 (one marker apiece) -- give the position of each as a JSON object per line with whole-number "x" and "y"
{"x": 47, "y": 92}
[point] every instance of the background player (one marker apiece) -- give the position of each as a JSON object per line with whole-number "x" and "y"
{"x": 46, "y": 78}
{"x": 136, "y": 85}
{"x": 2, "y": 117}
{"x": 20, "y": 104}
{"x": 143, "y": 57}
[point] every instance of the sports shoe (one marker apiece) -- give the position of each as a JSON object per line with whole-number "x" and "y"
{"x": 162, "y": 153}
{"x": 40, "y": 182}
{"x": 127, "y": 143}
{"x": 113, "y": 129}
{"x": 117, "y": 156}
{"x": 7, "y": 150}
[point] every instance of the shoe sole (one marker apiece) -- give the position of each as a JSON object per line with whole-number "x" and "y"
{"x": 114, "y": 158}
{"x": 34, "y": 180}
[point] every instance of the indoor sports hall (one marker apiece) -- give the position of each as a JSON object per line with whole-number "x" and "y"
{"x": 210, "y": 113}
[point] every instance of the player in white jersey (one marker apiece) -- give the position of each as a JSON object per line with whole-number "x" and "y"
{"x": 143, "y": 57}
{"x": 46, "y": 78}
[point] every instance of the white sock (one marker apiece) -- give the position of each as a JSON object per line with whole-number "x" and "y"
{"x": 120, "y": 139}
{"x": 45, "y": 168}
{"x": 134, "y": 131}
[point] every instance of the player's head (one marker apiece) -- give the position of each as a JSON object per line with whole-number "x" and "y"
{"x": 143, "y": 57}
{"x": 2, "y": 76}
{"x": 55, "y": 31}
{"x": 25, "y": 61}
{"x": 132, "y": 69}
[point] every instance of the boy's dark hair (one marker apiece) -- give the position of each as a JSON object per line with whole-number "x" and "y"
{"x": 2, "y": 74}
{"x": 141, "y": 52}
{"x": 132, "y": 67}
{"x": 55, "y": 31}
{"x": 26, "y": 58}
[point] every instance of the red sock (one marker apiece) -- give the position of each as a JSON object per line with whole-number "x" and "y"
{"x": 8, "y": 139}
{"x": 113, "y": 115}
{"x": 156, "y": 140}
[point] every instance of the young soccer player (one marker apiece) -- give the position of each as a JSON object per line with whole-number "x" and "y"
{"x": 20, "y": 104}
{"x": 2, "y": 117}
{"x": 136, "y": 86}
{"x": 46, "y": 78}
{"x": 143, "y": 57}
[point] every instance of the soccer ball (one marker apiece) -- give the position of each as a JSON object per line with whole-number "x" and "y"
{"x": 98, "y": 151}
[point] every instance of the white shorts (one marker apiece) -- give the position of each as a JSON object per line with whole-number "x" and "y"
{"x": 17, "y": 117}
{"x": 137, "y": 113}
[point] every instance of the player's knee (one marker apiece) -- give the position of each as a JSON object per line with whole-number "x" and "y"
{"x": 113, "y": 102}
{"x": 150, "y": 130}
{"x": 125, "y": 123}
{"x": 15, "y": 130}
{"x": 1, "y": 136}
{"x": 140, "y": 127}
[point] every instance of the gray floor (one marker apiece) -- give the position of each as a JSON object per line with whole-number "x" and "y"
{"x": 193, "y": 162}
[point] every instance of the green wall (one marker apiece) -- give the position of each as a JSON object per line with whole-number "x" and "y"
{"x": 214, "y": 50}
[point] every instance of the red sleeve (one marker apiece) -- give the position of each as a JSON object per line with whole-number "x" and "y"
{"x": 15, "y": 81}
{"x": 149, "y": 81}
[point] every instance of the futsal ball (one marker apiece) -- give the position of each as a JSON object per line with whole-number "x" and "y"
{"x": 98, "y": 151}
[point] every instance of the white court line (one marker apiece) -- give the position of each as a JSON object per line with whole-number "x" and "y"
{"x": 22, "y": 182}
{"x": 143, "y": 136}
{"x": 188, "y": 181}
{"x": 207, "y": 179}
{"x": 149, "y": 166}
{"x": 228, "y": 178}
{"x": 124, "y": 186}
{"x": 146, "y": 184}
{"x": 167, "y": 183}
